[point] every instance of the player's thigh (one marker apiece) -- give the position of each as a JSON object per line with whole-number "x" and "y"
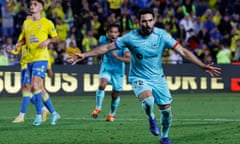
{"x": 39, "y": 68}
{"x": 105, "y": 74}
{"x": 117, "y": 81}
{"x": 161, "y": 93}
{"x": 38, "y": 73}
{"x": 139, "y": 86}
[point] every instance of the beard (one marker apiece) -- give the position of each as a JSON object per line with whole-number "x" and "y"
{"x": 146, "y": 30}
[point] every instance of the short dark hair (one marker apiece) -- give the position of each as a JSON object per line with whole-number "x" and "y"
{"x": 114, "y": 25}
{"x": 40, "y": 1}
{"x": 145, "y": 11}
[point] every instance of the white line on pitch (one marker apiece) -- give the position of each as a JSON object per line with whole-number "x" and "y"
{"x": 137, "y": 119}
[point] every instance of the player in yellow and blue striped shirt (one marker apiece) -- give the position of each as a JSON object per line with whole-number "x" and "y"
{"x": 36, "y": 31}
{"x": 26, "y": 86}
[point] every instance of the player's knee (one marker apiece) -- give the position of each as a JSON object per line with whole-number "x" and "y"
{"x": 102, "y": 86}
{"x": 26, "y": 87}
{"x": 36, "y": 86}
{"x": 44, "y": 92}
{"x": 145, "y": 94}
{"x": 115, "y": 94}
{"x": 163, "y": 107}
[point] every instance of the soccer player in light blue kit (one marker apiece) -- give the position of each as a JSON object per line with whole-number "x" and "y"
{"x": 146, "y": 45}
{"x": 111, "y": 72}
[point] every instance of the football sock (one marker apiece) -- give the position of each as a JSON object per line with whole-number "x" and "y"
{"x": 166, "y": 121}
{"x": 33, "y": 100}
{"x": 148, "y": 105}
{"x": 44, "y": 108}
{"x": 114, "y": 105}
{"x": 48, "y": 103}
{"x": 99, "y": 98}
{"x": 38, "y": 104}
{"x": 25, "y": 101}
{"x": 21, "y": 114}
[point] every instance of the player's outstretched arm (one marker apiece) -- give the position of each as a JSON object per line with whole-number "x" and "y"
{"x": 14, "y": 51}
{"x": 17, "y": 50}
{"x": 209, "y": 68}
{"x": 99, "y": 50}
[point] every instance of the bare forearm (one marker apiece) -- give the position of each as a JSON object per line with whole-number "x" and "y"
{"x": 53, "y": 40}
{"x": 20, "y": 43}
{"x": 213, "y": 71}
{"x": 191, "y": 57}
{"x": 123, "y": 59}
{"x": 102, "y": 49}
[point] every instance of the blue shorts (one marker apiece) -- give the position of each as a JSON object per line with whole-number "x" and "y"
{"x": 38, "y": 68}
{"x": 114, "y": 79}
{"x": 25, "y": 77}
{"x": 159, "y": 89}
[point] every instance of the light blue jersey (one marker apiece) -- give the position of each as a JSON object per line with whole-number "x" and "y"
{"x": 111, "y": 68}
{"x": 146, "y": 72}
{"x": 146, "y": 52}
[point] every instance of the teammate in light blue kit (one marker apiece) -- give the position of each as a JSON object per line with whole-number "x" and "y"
{"x": 146, "y": 45}
{"x": 111, "y": 72}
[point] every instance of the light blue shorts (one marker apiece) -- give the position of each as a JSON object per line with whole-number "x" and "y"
{"x": 159, "y": 89}
{"x": 114, "y": 79}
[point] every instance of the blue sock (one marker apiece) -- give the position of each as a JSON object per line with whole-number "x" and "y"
{"x": 166, "y": 121}
{"x": 148, "y": 105}
{"x": 48, "y": 103}
{"x": 33, "y": 101}
{"x": 38, "y": 100}
{"x": 25, "y": 101}
{"x": 114, "y": 105}
{"x": 99, "y": 98}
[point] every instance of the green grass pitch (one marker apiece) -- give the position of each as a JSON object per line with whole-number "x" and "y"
{"x": 198, "y": 118}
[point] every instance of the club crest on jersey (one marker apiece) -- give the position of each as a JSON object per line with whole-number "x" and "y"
{"x": 154, "y": 46}
{"x": 39, "y": 27}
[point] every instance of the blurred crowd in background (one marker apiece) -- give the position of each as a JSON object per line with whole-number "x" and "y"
{"x": 210, "y": 29}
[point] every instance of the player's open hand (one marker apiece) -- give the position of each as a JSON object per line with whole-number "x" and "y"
{"x": 76, "y": 58}
{"x": 213, "y": 71}
{"x": 18, "y": 44}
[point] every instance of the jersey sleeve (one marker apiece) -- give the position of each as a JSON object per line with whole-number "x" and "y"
{"x": 52, "y": 30}
{"x": 102, "y": 40}
{"x": 170, "y": 42}
{"x": 21, "y": 36}
{"x": 121, "y": 42}
{"x": 16, "y": 51}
